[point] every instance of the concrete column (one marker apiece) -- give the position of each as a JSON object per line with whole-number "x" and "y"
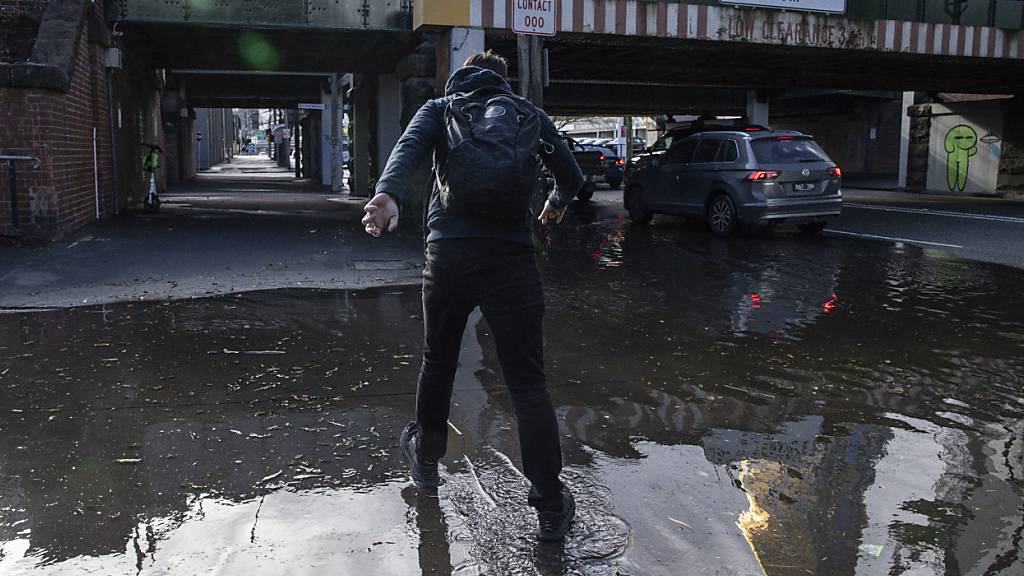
{"x": 919, "y": 144}
{"x": 389, "y": 116}
{"x": 362, "y": 127}
{"x": 464, "y": 43}
{"x": 336, "y": 108}
{"x": 202, "y": 146}
{"x": 326, "y": 145}
{"x": 421, "y": 74}
{"x": 757, "y": 108}
{"x": 1011, "y": 161}
{"x": 297, "y": 135}
{"x": 908, "y": 101}
{"x": 458, "y": 44}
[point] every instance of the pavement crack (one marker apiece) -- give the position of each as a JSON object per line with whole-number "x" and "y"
{"x": 252, "y": 533}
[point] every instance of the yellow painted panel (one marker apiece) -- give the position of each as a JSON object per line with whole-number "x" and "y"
{"x": 440, "y": 13}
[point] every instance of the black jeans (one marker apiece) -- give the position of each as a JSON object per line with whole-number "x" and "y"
{"x": 501, "y": 278}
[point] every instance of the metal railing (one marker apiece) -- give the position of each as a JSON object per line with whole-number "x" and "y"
{"x": 12, "y": 184}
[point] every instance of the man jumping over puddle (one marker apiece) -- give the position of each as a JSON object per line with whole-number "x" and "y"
{"x": 487, "y": 145}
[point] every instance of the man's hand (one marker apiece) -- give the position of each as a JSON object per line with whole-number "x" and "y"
{"x": 381, "y": 214}
{"x": 551, "y": 213}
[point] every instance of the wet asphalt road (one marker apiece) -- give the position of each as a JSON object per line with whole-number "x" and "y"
{"x": 986, "y": 229}
{"x": 766, "y": 405}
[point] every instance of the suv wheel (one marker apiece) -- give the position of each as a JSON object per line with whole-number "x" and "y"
{"x": 614, "y": 183}
{"x": 721, "y": 216}
{"x": 637, "y": 206}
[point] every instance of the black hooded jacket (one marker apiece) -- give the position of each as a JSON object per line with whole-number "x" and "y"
{"x": 425, "y": 133}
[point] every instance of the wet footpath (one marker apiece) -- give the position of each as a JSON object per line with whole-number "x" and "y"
{"x": 772, "y": 405}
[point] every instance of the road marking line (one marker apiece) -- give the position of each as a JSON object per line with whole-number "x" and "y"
{"x": 948, "y": 214}
{"x": 891, "y": 238}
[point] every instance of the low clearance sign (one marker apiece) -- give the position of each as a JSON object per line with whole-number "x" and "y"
{"x": 831, "y": 6}
{"x": 533, "y": 17}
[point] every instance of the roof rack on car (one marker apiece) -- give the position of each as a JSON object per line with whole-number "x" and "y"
{"x": 720, "y": 128}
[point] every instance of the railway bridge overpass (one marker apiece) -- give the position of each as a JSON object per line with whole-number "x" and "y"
{"x": 141, "y": 68}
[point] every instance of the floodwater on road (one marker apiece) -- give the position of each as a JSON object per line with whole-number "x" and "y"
{"x": 767, "y": 405}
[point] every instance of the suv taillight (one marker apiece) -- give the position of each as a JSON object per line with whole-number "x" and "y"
{"x": 620, "y": 162}
{"x": 762, "y": 175}
{"x": 835, "y": 172}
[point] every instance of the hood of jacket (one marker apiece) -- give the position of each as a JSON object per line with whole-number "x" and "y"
{"x": 471, "y": 78}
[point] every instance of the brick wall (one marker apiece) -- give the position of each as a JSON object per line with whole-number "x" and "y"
{"x": 28, "y": 118}
{"x": 58, "y": 128}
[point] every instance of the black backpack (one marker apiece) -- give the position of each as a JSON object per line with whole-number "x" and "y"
{"x": 492, "y": 163}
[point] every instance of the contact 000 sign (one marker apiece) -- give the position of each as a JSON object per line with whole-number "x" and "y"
{"x": 534, "y": 17}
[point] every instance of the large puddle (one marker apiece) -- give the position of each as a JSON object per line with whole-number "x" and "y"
{"x": 769, "y": 405}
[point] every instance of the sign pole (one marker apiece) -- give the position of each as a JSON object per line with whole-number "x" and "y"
{"x": 536, "y": 88}
{"x": 523, "y": 47}
{"x": 531, "y": 21}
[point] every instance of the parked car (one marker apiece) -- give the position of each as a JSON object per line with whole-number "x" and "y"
{"x": 613, "y": 166}
{"x": 591, "y": 162}
{"x": 736, "y": 176}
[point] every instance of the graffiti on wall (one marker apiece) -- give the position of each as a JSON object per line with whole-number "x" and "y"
{"x": 961, "y": 144}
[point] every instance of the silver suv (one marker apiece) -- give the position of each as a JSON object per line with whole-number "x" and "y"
{"x": 731, "y": 177}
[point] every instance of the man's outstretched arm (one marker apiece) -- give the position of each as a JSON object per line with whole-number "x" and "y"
{"x": 423, "y": 132}
{"x": 562, "y": 164}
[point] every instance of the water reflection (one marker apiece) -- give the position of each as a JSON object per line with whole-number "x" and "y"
{"x": 768, "y": 405}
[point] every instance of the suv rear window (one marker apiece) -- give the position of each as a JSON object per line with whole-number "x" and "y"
{"x": 787, "y": 150}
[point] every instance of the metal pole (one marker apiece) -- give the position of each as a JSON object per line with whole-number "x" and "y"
{"x": 96, "y": 172}
{"x": 536, "y": 71}
{"x": 627, "y": 122}
{"x": 335, "y": 179}
{"x": 14, "y": 197}
{"x": 113, "y": 141}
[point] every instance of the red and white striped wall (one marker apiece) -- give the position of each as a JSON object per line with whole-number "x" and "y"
{"x": 719, "y": 23}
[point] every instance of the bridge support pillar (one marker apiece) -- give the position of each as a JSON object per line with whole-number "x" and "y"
{"x": 904, "y": 168}
{"x": 1011, "y": 161}
{"x": 362, "y": 128}
{"x": 419, "y": 74}
{"x": 454, "y": 46}
{"x": 757, "y": 107}
{"x": 389, "y": 118}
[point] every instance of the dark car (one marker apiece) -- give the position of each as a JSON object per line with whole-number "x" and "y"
{"x": 592, "y": 165}
{"x": 612, "y": 163}
{"x": 736, "y": 176}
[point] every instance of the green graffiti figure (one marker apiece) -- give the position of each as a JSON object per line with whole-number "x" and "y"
{"x": 961, "y": 144}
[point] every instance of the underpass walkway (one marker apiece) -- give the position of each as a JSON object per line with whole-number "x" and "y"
{"x": 241, "y": 226}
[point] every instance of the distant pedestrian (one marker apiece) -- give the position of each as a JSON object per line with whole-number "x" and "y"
{"x": 487, "y": 145}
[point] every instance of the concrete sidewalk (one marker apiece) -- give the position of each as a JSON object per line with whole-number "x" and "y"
{"x": 985, "y": 205}
{"x": 213, "y": 235}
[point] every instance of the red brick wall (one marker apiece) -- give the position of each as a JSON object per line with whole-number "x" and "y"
{"x": 58, "y": 128}
{"x": 29, "y": 117}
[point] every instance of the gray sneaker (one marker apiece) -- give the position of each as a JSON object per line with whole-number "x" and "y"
{"x": 424, "y": 475}
{"x": 554, "y": 525}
